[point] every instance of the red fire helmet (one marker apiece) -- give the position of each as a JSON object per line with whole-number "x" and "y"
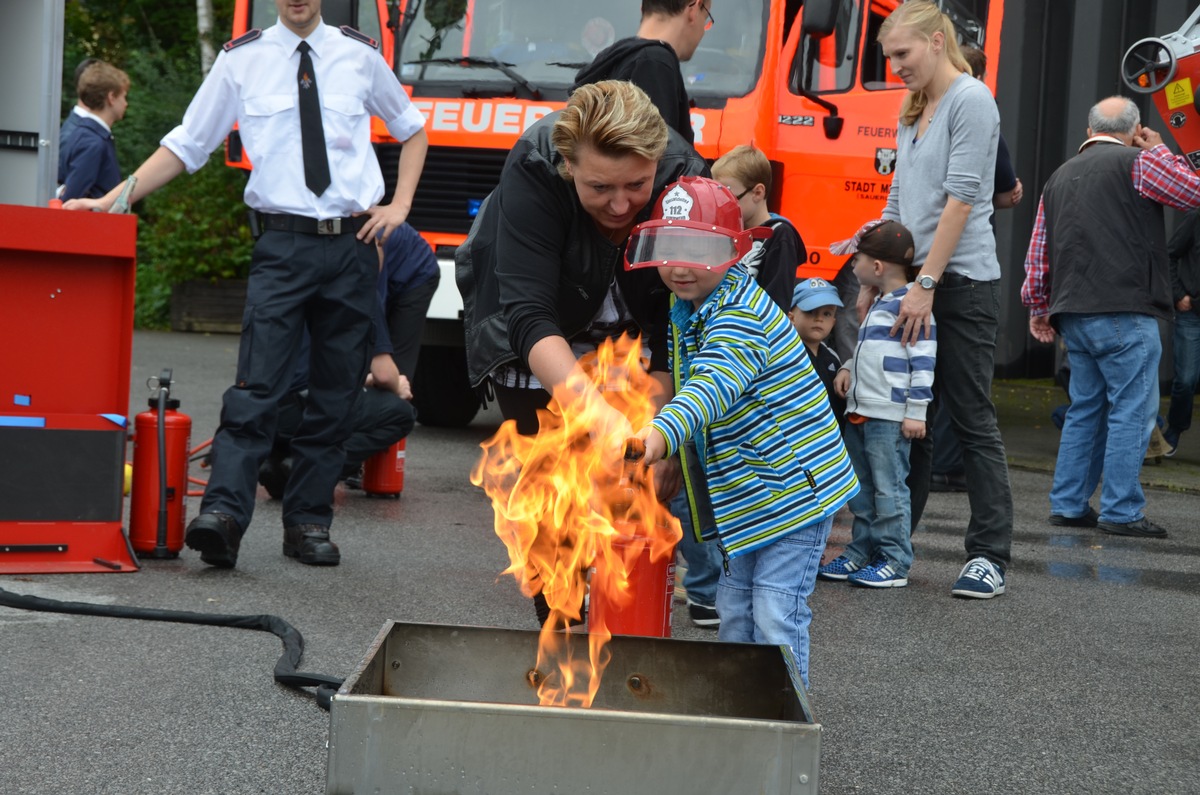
{"x": 695, "y": 223}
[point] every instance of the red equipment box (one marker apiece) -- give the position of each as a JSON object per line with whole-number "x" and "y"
{"x": 66, "y": 322}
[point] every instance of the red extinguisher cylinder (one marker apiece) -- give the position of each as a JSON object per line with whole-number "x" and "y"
{"x": 640, "y": 602}
{"x": 145, "y": 501}
{"x": 383, "y": 473}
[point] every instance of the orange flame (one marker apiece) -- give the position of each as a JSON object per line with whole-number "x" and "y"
{"x": 565, "y": 503}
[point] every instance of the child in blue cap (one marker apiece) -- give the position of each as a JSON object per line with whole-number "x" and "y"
{"x": 814, "y": 312}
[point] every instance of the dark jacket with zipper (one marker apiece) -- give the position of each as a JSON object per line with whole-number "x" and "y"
{"x": 534, "y": 265}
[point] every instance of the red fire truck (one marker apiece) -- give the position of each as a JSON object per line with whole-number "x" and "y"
{"x": 804, "y": 81}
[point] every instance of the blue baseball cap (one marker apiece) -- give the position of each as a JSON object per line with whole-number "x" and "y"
{"x": 813, "y": 293}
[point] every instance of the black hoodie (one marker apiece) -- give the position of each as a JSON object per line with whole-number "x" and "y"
{"x": 652, "y": 66}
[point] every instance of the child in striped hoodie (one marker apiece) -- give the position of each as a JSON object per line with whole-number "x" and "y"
{"x": 776, "y": 468}
{"x": 888, "y": 386}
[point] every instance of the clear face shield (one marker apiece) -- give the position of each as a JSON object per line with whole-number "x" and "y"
{"x": 657, "y": 244}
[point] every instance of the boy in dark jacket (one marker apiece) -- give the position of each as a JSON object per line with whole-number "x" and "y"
{"x": 88, "y": 163}
{"x": 772, "y": 261}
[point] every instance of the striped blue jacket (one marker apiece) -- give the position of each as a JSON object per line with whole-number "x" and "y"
{"x": 773, "y": 456}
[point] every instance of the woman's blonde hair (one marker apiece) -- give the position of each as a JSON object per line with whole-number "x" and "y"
{"x": 925, "y": 19}
{"x": 613, "y": 117}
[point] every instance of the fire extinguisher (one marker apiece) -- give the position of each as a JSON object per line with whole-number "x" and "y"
{"x": 383, "y": 473}
{"x": 161, "y": 440}
{"x": 650, "y": 579}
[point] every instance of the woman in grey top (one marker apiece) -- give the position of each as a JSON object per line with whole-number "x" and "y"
{"x": 942, "y": 191}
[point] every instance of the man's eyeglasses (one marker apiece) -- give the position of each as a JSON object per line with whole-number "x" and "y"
{"x": 743, "y": 193}
{"x": 707, "y": 10}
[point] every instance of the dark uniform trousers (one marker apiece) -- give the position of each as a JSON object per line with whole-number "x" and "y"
{"x": 328, "y": 283}
{"x": 379, "y": 419}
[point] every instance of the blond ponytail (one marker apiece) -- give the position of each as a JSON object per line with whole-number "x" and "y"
{"x": 925, "y": 19}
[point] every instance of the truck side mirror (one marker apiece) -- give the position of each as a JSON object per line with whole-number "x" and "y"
{"x": 820, "y": 18}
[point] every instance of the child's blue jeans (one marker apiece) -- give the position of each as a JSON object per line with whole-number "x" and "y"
{"x": 883, "y": 506}
{"x": 764, "y": 597}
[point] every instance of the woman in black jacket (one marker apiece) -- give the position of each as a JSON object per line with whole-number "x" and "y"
{"x": 540, "y": 272}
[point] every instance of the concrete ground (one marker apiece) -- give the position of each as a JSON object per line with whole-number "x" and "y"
{"x": 1078, "y": 680}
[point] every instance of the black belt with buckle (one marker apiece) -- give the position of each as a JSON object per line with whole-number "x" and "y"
{"x": 311, "y": 226}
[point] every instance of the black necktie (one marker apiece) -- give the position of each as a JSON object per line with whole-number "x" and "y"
{"x": 312, "y": 133}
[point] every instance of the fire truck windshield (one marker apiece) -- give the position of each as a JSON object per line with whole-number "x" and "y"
{"x": 545, "y": 44}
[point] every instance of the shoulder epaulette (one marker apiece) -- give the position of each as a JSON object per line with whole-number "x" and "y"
{"x": 358, "y": 35}
{"x": 245, "y": 38}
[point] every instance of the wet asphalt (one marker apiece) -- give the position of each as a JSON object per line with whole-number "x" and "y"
{"x": 1081, "y": 679}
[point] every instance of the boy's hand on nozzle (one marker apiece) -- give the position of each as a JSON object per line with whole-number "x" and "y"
{"x": 912, "y": 429}
{"x": 655, "y": 444}
{"x": 841, "y": 383}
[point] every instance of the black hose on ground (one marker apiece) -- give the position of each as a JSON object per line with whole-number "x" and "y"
{"x": 285, "y": 667}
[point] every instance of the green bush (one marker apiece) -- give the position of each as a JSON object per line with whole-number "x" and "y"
{"x": 196, "y": 226}
{"x": 152, "y": 299}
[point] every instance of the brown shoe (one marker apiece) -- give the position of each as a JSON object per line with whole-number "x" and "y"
{"x": 310, "y": 544}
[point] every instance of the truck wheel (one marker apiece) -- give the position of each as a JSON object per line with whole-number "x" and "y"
{"x": 441, "y": 393}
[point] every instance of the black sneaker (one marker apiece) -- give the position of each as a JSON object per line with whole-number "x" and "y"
{"x": 703, "y": 615}
{"x": 1089, "y": 519}
{"x": 1142, "y": 528}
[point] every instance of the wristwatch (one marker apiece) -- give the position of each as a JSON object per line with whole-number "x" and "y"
{"x": 927, "y": 282}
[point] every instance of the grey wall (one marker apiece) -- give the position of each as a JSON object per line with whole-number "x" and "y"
{"x": 31, "y": 60}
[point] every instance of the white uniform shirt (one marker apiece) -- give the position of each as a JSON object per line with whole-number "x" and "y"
{"x": 255, "y": 85}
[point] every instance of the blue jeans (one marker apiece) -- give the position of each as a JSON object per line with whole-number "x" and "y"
{"x": 1114, "y": 396}
{"x": 1187, "y": 371}
{"x": 764, "y": 598}
{"x": 882, "y": 508}
{"x": 703, "y": 558}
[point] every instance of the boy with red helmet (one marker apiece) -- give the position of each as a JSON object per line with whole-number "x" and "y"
{"x": 775, "y": 465}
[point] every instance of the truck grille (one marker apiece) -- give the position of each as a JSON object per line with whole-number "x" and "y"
{"x": 453, "y": 183}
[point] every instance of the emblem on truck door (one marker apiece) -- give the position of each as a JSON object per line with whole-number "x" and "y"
{"x": 884, "y": 160}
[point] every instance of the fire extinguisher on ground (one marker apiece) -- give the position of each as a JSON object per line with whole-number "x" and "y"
{"x": 161, "y": 440}
{"x": 383, "y": 473}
